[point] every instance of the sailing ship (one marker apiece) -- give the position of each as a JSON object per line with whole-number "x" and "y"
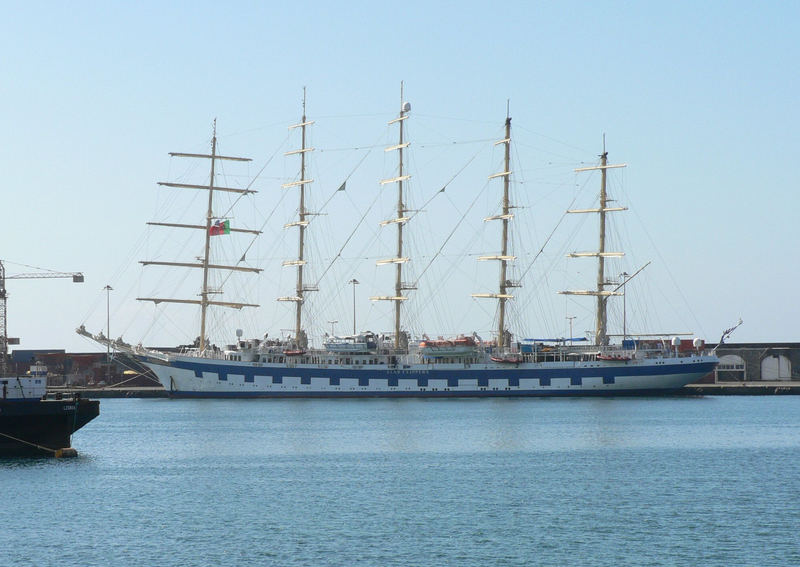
{"x": 393, "y": 365}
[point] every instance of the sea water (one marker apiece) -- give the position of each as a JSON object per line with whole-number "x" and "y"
{"x": 474, "y": 482}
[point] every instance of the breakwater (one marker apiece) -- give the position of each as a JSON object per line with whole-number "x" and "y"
{"x": 755, "y": 388}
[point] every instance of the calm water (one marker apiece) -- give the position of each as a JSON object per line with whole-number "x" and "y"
{"x": 662, "y": 481}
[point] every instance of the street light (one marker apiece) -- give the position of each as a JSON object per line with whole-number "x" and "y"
{"x": 108, "y": 289}
{"x": 355, "y": 282}
{"x": 625, "y": 277}
{"x": 570, "y": 318}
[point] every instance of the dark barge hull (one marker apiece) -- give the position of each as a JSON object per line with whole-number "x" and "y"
{"x": 41, "y": 427}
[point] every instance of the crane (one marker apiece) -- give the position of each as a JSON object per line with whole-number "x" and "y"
{"x": 77, "y": 277}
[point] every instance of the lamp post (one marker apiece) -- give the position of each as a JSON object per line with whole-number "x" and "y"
{"x": 570, "y": 317}
{"x": 332, "y": 324}
{"x": 625, "y": 277}
{"x": 108, "y": 289}
{"x": 355, "y": 282}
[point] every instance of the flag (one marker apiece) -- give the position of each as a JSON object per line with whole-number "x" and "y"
{"x": 341, "y": 187}
{"x": 220, "y": 227}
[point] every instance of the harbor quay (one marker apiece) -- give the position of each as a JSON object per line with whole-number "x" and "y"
{"x": 744, "y": 369}
{"x": 753, "y": 369}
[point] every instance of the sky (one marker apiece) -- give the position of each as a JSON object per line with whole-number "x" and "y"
{"x": 699, "y": 100}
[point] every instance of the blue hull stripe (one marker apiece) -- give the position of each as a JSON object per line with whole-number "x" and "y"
{"x": 411, "y": 382}
{"x": 430, "y": 394}
{"x": 576, "y": 375}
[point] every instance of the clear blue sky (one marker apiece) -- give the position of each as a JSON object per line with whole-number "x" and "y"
{"x": 700, "y": 100}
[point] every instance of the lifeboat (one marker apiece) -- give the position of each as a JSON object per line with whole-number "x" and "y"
{"x": 294, "y": 352}
{"x": 460, "y": 346}
{"x": 507, "y": 358}
{"x": 613, "y": 357}
{"x": 465, "y": 341}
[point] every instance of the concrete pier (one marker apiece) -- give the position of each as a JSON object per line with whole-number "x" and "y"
{"x": 754, "y": 388}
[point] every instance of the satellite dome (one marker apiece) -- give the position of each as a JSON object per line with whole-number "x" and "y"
{"x": 406, "y": 106}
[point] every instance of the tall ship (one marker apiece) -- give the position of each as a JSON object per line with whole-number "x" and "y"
{"x": 392, "y": 364}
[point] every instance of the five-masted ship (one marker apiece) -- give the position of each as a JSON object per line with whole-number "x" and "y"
{"x": 392, "y": 365}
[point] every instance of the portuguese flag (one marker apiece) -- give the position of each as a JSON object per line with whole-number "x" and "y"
{"x": 220, "y": 227}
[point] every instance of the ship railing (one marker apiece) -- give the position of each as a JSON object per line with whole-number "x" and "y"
{"x": 194, "y": 352}
{"x": 152, "y": 353}
{"x": 65, "y": 396}
{"x": 639, "y": 351}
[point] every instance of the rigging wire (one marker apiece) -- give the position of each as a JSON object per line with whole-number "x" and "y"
{"x": 452, "y": 232}
{"x": 547, "y": 240}
{"x": 343, "y": 184}
{"x": 449, "y": 181}
{"x": 269, "y": 216}
{"x": 463, "y": 216}
{"x": 669, "y": 273}
{"x": 342, "y": 187}
{"x": 257, "y": 175}
{"x": 350, "y": 236}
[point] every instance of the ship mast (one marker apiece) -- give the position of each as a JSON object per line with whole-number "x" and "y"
{"x": 205, "y": 265}
{"x": 302, "y": 223}
{"x": 399, "y": 220}
{"x": 207, "y": 248}
{"x": 601, "y": 321}
{"x": 504, "y": 258}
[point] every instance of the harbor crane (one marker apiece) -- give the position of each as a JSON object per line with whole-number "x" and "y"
{"x": 77, "y": 277}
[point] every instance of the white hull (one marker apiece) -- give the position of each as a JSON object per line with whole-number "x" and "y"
{"x": 200, "y": 377}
